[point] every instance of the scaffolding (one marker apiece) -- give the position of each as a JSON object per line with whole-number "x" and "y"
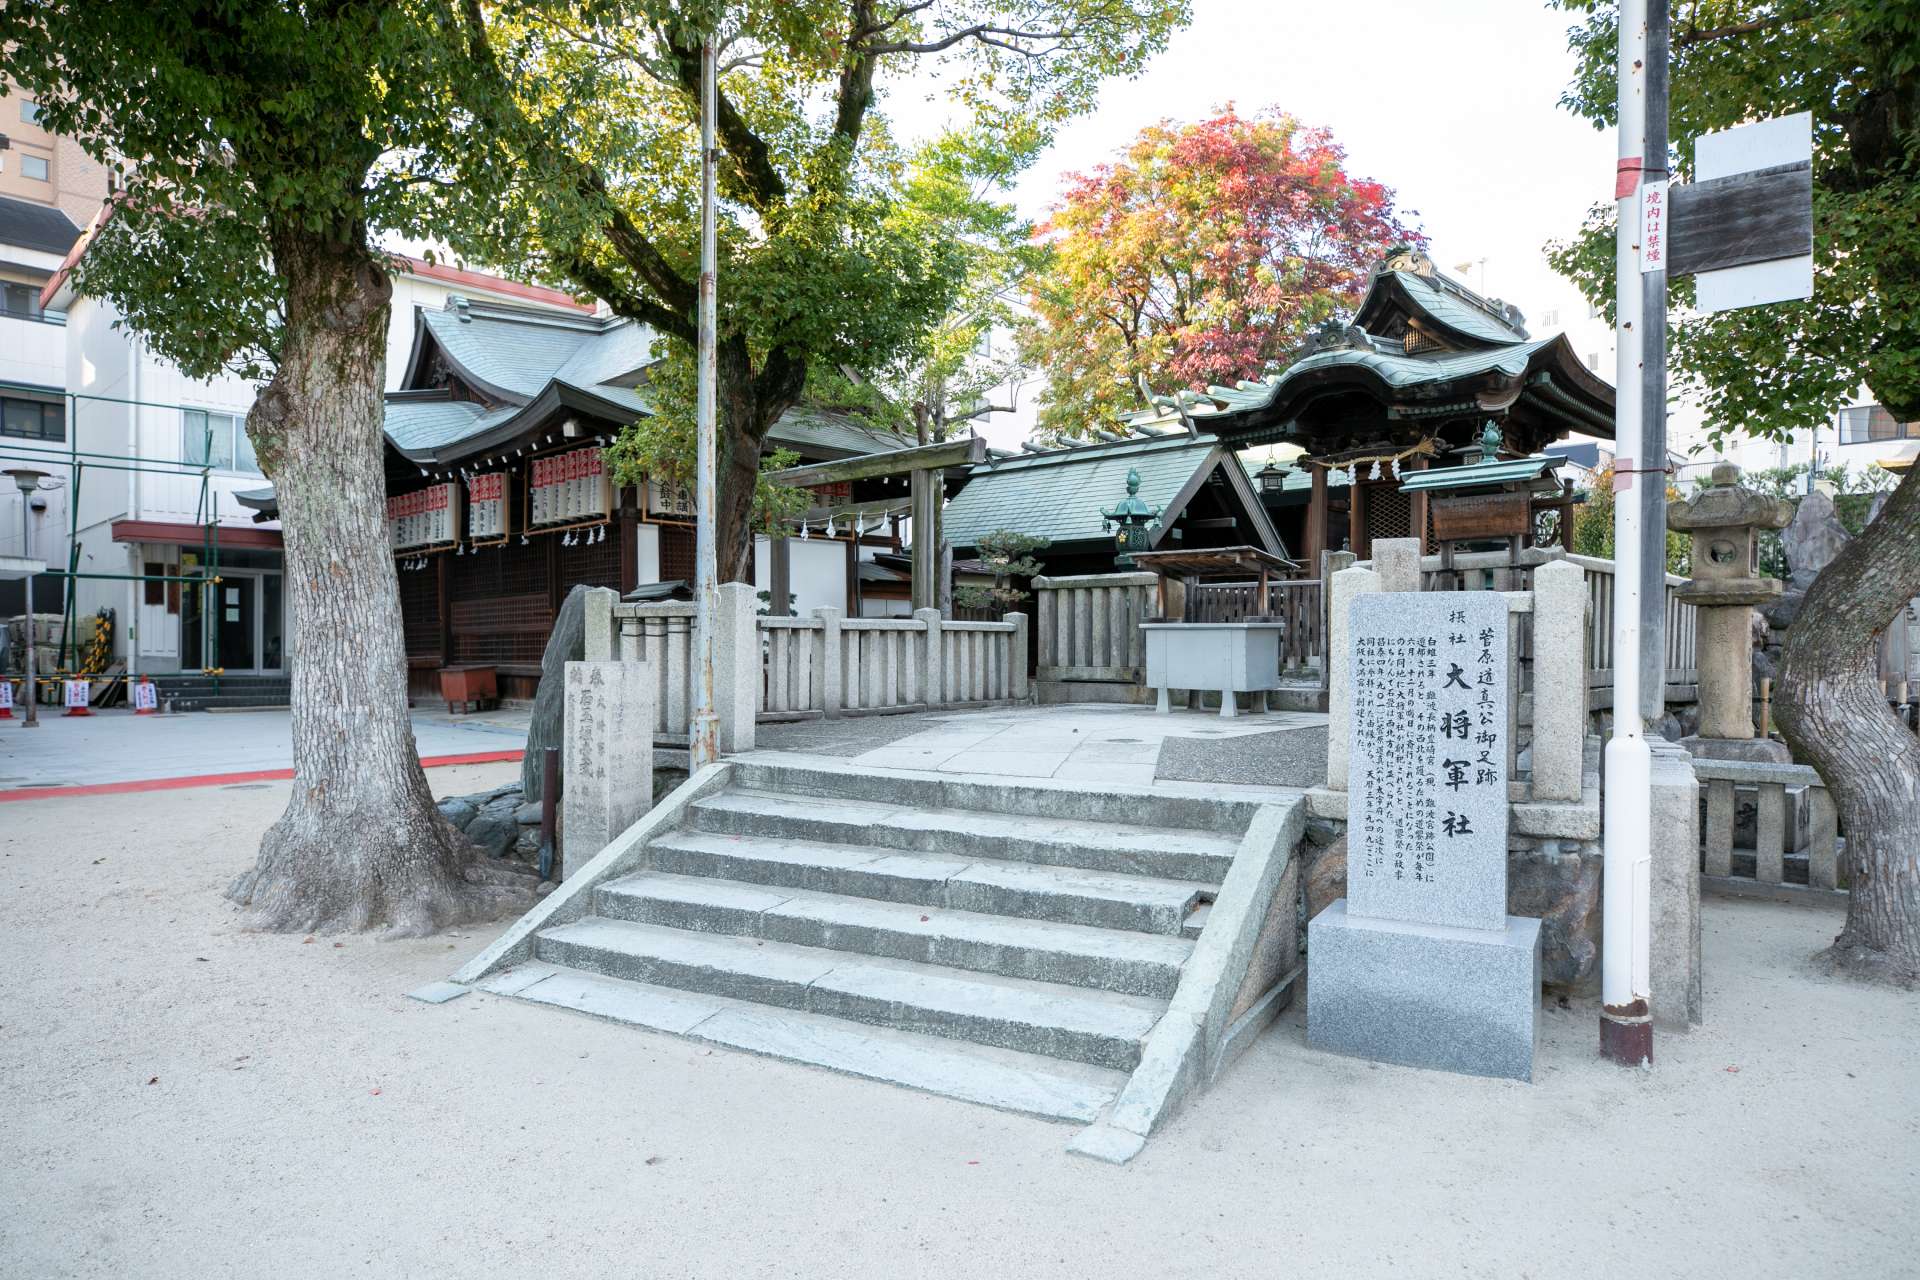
{"x": 78, "y": 462}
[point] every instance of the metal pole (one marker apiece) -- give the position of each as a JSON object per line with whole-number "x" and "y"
{"x": 1626, "y": 1027}
{"x": 703, "y": 745}
{"x": 31, "y": 689}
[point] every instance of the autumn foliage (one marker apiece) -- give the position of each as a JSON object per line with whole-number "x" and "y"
{"x": 1204, "y": 255}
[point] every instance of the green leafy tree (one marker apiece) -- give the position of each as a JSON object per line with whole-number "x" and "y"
{"x": 1855, "y": 66}
{"x": 273, "y": 139}
{"x": 1206, "y": 254}
{"x": 1007, "y": 556}
{"x": 1593, "y": 526}
{"x": 836, "y": 259}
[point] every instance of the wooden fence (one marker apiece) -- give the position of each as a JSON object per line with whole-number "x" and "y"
{"x": 1089, "y": 626}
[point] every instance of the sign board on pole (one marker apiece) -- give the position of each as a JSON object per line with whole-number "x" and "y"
{"x": 1653, "y": 226}
{"x": 1743, "y": 228}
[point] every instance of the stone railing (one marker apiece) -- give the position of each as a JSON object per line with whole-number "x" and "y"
{"x": 1089, "y": 626}
{"x": 768, "y": 668}
{"x": 1770, "y": 829}
{"x": 1499, "y": 571}
{"x": 827, "y": 665}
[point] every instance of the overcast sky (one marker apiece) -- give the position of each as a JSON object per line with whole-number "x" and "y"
{"x": 1454, "y": 105}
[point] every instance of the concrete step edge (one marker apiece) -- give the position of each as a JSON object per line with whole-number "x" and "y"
{"x": 1070, "y": 1023}
{"x": 999, "y": 886}
{"x": 1140, "y": 964}
{"x": 1004, "y": 1079}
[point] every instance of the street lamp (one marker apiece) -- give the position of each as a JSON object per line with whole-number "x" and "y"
{"x": 28, "y": 479}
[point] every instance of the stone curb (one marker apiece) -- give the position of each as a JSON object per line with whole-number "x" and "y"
{"x": 1192, "y": 1044}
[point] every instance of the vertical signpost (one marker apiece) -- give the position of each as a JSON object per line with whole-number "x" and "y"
{"x": 703, "y": 738}
{"x": 1744, "y": 229}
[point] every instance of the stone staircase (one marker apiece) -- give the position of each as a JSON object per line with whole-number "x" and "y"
{"x": 1007, "y": 945}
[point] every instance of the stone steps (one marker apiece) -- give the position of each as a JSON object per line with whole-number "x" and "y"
{"x": 1109, "y": 959}
{"x": 1005, "y": 943}
{"x": 1007, "y": 1080}
{"x": 1059, "y": 1021}
{"x": 1067, "y": 895}
{"x": 1123, "y": 848}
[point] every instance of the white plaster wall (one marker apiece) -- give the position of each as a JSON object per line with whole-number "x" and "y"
{"x": 817, "y": 573}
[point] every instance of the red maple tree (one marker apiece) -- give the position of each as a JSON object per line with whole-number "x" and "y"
{"x": 1205, "y": 254}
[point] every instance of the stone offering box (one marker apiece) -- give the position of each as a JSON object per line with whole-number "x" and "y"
{"x": 1232, "y": 657}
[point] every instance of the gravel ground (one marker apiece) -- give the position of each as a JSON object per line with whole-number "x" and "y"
{"x": 187, "y": 1099}
{"x": 1283, "y": 758}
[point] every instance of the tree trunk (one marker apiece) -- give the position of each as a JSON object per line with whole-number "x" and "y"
{"x": 1835, "y": 717}
{"x": 361, "y": 844}
{"x": 746, "y": 407}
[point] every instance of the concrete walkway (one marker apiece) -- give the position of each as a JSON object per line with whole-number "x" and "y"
{"x": 1073, "y": 743}
{"x": 118, "y": 746}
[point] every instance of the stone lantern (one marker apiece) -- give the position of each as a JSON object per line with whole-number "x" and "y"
{"x": 1132, "y": 522}
{"x": 1725, "y": 522}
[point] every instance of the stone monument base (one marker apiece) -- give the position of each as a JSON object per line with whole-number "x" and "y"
{"x": 1421, "y": 995}
{"x": 1749, "y": 750}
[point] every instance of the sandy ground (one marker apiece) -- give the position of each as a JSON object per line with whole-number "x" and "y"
{"x": 184, "y": 1098}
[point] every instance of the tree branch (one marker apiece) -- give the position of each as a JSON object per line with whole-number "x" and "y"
{"x": 592, "y": 276}
{"x": 746, "y": 152}
{"x": 675, "y": 291}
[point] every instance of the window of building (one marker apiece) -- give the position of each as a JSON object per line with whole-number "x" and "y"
{"x": 218, "y": 440}
{"x": 33, "y": 419}
{"x": 21, "y": 300}
{"x": 34, "y": 167}
{"x": 29, "y": 111}
{"x": 1871, "y": 422}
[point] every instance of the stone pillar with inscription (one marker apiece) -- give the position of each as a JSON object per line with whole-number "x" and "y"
{"x": 1420, "y": 964}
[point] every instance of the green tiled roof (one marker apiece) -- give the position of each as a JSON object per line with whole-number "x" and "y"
{"x": 1453, "y": 311}
{"x": 1058, "y": 495}
{"x": 1398, "y": 370}
{"x": 1474, "y": 474}
{"x": 519, "y": 353}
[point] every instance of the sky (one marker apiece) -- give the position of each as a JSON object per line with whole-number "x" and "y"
{"x": 1454, "y": 105}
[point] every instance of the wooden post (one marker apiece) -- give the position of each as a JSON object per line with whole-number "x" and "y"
{"x": 853, "y": 577}
{"x": 1357, "y": 520}
{"x": 1316, "y": 531}
{"x": 444, "y": 590}
{"x": 1417, "y": 509}
{"x": 779, "y": 577}
{"x": 926, "y": 542}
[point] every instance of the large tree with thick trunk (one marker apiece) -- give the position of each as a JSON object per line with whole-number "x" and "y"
{"x": 1773, "y": 370}
{"x": 266, "y": 143}
{"x": 838, "y": 251}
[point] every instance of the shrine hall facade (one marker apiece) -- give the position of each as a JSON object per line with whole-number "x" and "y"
{"x": 1411, "y": 385}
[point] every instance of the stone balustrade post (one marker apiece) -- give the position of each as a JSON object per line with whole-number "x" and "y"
{"x": 832, "y": 671}
{"x": 1017, "y": 658}
{"x": 737, "y": 665}
{"x": 598, "y": 638}
{"x": 1344, "y": 586}
{"x": 1559, "y": 680}
{"x": 933, "y": 690}
{"x": 1397, "y": 561}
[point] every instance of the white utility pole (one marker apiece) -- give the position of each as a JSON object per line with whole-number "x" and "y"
{"x": 1639, "y": 581}
{"x": 703, "y": 744}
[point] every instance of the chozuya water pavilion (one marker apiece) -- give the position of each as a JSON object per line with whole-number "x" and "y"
{"x": 1411, "y": 385}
